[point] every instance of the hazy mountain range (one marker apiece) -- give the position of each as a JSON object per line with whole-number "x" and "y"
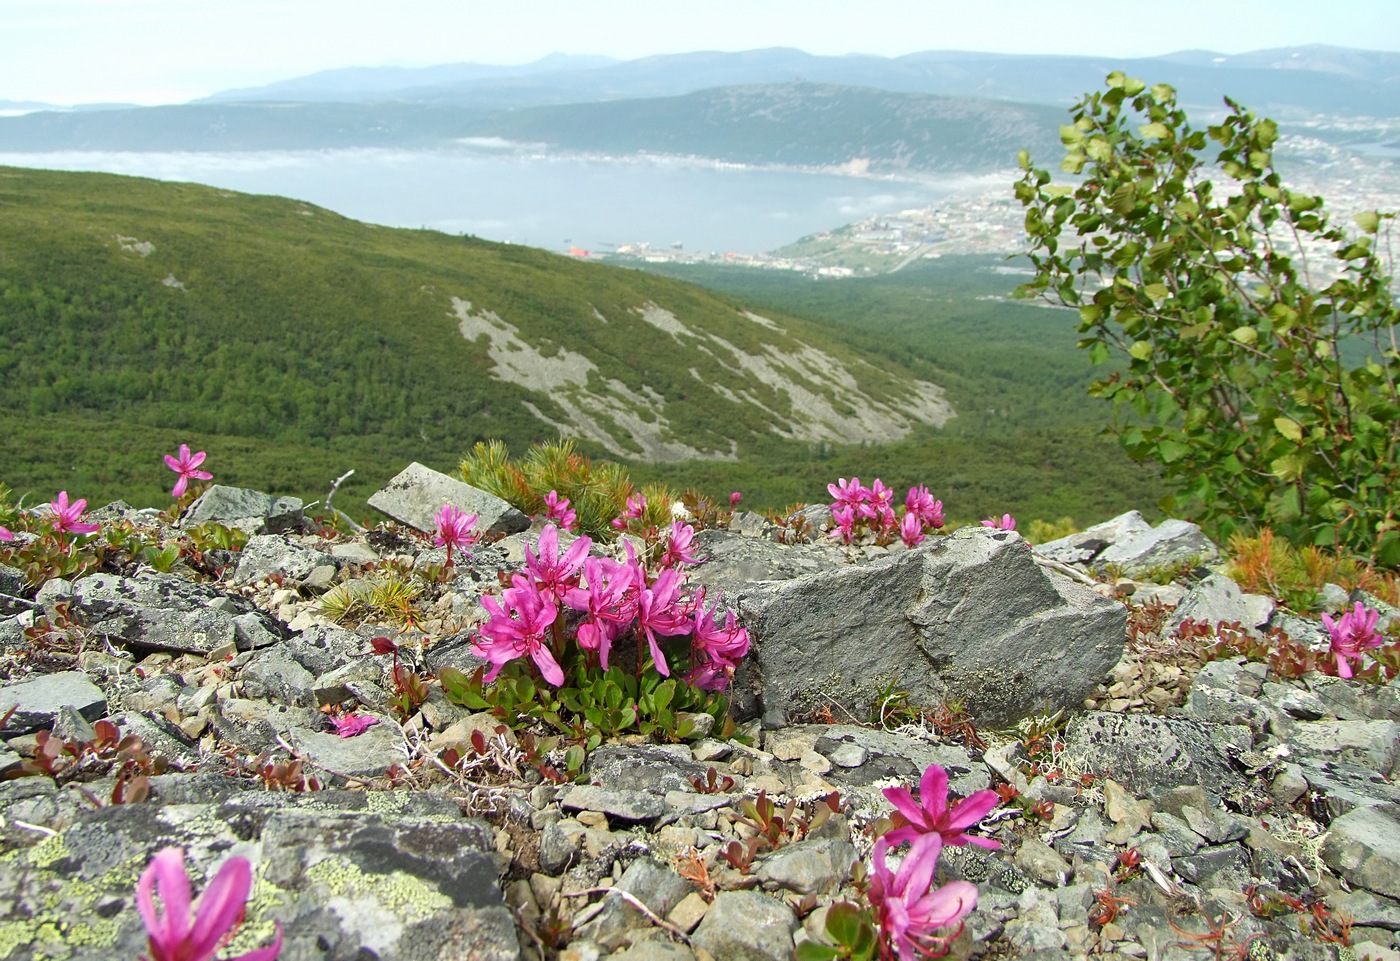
{"x": 934, "y": 111}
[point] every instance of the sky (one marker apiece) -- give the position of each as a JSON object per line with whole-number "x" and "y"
{"x": 172, "y": 51}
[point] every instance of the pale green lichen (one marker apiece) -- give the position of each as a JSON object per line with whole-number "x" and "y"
{"x": 47, "y": 852}
{"x": 410, "y": 898}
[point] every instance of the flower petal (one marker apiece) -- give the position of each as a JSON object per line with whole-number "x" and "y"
{"x": 268, "y": 953}
{"x": 933, "y": 790}
{"x": 165, "y": 873}
{"x": 905, "y": 804}
{"x": 220, "y": 907}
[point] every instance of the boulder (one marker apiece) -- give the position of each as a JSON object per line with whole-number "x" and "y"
{"x": 970, "y": 616}
{"x": 417, "y": 493}
{"x": 248, "y": 510}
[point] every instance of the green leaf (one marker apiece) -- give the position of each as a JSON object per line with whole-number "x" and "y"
{"x": 1289, "y": 428}
{"x": 1369, "y": 221}
{"x": 1290, "y": 466}
{"x": 815, "y": 951}
{"x": 1157, "y": 292}
{"x": 1171, "y": 451}
{"x": 1246, "y": 335}
{"x": 1155, "y": 131}
{"x": 1098, "y": 353}
{"x": 1141, "y": 350}
{"x": 843, "y": 921}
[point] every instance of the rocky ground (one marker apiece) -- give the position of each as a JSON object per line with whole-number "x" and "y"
{"x": 1151, "y": 808}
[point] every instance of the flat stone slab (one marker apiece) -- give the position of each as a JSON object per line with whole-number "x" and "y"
{"x": 417, "y": 493}
{"x": 38, "y": 701}
{"x": 248, "y": 510}
{"x": 1363, "y": 846}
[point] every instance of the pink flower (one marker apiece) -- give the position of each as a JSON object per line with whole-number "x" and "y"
{"x": 910, "y": 913}
{"x": 847, "y": 492}
{"x": 911, "y": 530}
{"x": 659, "y": 612}
{"x": 553, "y": 573}
{"x": 636, "y": 506}
{"x": 609, "y": 602}
{"x": 5, "y": 534}
{"x": 557, "y": 510}
{"x": 349, "y": 725}
{"x": 454, "y": 529}
{"x": 734, "y": 498}
{"x": 921, "y": 503}
{"x": 171, "y": 936}
{"x": 717, "y": 650}
{"x": 934, "y": 815}
{"x": 845, "y": 517}
{"x": 678, "y": 546}
{"x": 1352, "y": 633}
{"x": 187, "y": 466}
{"x": 1006, "y": 523}
{"x": 518, "y": 628}
{"x": 68, "y": 517}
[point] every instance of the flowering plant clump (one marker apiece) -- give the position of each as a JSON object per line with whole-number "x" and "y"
{"x": 907, "y": 917}
{"x": 558, "y": 511}
{"x": 857, "y": 509}
{"x": 562, "y": 620}
{"x": 1351, "y": 634}
{"x": 171, "y": 935}
{"x": 454, "y": 529}
{"x": 1003, "y": 523}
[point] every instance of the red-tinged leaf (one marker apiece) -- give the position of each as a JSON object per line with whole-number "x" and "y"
{"x": 382, "y": 645}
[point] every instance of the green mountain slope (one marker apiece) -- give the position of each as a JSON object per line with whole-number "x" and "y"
{"x": 203, "y": 314}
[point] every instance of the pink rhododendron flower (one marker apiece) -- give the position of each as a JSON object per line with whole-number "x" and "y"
{"x": 847, "y": 492}
{"x": 911, "y": 530}
{"x": 454, "y": 529}
{"x": 909, "y": 913}
{"x": 678, "y": 546}
{"x": 519, "y": 628}
{"x": 921, "y": 504}
{"x": 932, "y": 814}
{"x": 1005, "y": 523}
{"x": 734, "y": 498}
{"x": 69, "y": 517}
{"x": 660, "y": 613}
{"x": 557, "y": 510}
{"x": 171, "y": 935}
{"x": 349, "y": 725}
{"x": 1352, "y": 633}
{"x": 845, "y": 518}
{"x": 716, "y": 650}
{"x": 187, "y": 466}
{"x": 5, "y": 534}
{"x": 609, "y": 601}
{"x": 553, "y": 573}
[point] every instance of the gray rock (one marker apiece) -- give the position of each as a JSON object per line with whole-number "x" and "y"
{"x": 274, "y": 675}
{"x": 366, "y": 755}
{"x": 268, "y": 554}
{"x": 37, "y": 702}
{"x": 734, "y": 563}
{"x": 1366, "y": 744}
{"x": 1169, "y": 543}
{"x": 324, "y": 648}
{"x": 614, "y": 802}
{"x": 810, "y": 866}
{"x": 161, "y": 612}
{"x": 1217, "y": 598}
{"x": 70, "y": 725}
{"x": 889, "y": 754}
{"x": 1088, "y": 544}
{"x": 160, "y": 738}
{"x": 255, "y": 725}
{"x": 1346, "y": 787}
{"x": 248, "y": 510}
{"x": 1349, "y": 701}
{"x": 1202, "y": 867}
{"x": 655, "y": 885}
{"x": 970, "y": 616}
{"x": 747, "y": 926}
{"x": 417, "y": 493}
{"x": 1150, "y": 754}
{"x": 559, "y": 844}
{"x": 1363, "y": 847}
{"x": 650, "y": 768}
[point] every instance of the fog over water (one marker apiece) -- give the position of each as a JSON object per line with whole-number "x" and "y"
{"x": 543, "y": 200}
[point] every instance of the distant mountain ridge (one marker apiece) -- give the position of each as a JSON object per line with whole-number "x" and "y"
{"x": 1314, "y": 78}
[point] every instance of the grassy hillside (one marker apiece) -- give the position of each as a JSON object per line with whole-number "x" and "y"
{"x": 139, "y": 314}
{"x": 1027, "y": 439}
